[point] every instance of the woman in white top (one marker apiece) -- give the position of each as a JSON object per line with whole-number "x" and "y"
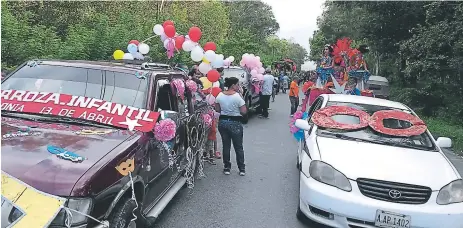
{"x": 231, "y": 106}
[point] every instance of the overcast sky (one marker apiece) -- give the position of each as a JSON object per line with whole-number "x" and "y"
{"x": 298, "y": 20}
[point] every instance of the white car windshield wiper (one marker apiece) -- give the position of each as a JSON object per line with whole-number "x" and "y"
{"x": 341, "y": 136}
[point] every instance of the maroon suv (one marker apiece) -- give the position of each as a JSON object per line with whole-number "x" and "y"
{"x": 87, "y": 159}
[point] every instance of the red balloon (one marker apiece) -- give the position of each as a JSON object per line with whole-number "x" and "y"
{"x": 215, "y": 91}
{"x": 134, "y": 42}
{"x": 169, "y": 30}
{"x": 195, "y": 34}
{"x": 210, "y": 46}
{"x": 179, "y": 41}
{"x": 213, "y": 76}
{"x": 166, "y": 23}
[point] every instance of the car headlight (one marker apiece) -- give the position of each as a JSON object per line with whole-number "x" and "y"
{"x": 451, "y": 193}
{"x": 326, "y": 174}
{"x": 83, "y": 205}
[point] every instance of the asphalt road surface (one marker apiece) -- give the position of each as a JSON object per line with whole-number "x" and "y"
{"x": 266, "y": 197}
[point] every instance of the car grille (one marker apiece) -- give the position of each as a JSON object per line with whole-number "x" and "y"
{"x": 394, "y": 192}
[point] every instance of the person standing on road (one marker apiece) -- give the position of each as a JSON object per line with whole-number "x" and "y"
{"x": 231, "y": 106}
{"x": 284, "y": 82}
{"x": 294, "y": 95}
{"x": 267, "y": 89}
{"x": 275, "y": 88}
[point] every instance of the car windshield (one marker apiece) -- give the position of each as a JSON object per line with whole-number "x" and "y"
{"x": 238, "y": 73}
{"x": 116, "y": 87}
{"x": 422, "y": 142}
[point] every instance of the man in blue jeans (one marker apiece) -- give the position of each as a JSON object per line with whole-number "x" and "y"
{"x": 267, "y": 89}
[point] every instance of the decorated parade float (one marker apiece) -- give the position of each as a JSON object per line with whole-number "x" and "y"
{"x": 286, "y": 66}
{"x": 342, "y": 70}
{"x": 103, "y": 161}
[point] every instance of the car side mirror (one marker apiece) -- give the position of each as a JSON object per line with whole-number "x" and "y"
{"x": 302, "y": 124}
{"x": 444, "y": 142}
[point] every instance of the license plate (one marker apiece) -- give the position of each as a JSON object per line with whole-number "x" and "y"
{"x": 392, "y": 220}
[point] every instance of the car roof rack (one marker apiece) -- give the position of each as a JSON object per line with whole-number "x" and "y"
{"x": 145, "y": 64}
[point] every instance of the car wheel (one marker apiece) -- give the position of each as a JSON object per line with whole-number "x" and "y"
{"x": 123, "y": 213}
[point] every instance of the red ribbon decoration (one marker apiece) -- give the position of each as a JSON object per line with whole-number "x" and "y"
{"x": 79, "y": 107}
{"x": 322, "y": 118}
{"x": 376, "y": 122}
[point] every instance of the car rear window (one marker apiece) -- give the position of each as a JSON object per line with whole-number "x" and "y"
{"x": 116, "y": 87}
{"x": 237, "y": 73}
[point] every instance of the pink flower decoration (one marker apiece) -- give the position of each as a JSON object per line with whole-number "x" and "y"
{"x": 207, "y": 119}
{"x": 298, "y": 115}
{"x": 165, "y": 130}
{"x": 180, "y": 86}
{"x": 192, "y": 86}
{"x": 293, "y": 129}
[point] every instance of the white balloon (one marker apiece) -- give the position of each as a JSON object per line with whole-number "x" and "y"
{"x": 204, "y": 67}
{"x": 220, "y": 56}
{"x": 210, "y": 55}
{"x": 138, "y": 55}
{"x": 143, "y": 48}
{"x": 187, "y": 37}
{"x": 128, "y": 56}
{"x": 231, "y": 58}
{"x": 188, "y": 45}
{"x": 197, "y": 54}
{"x": 216, "y": 84}
{"x": 163, "y": 37}
{"x": 158, "y": 29}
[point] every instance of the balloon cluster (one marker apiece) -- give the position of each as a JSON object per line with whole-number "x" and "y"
{"x": 135, "y": 49}
{"x": 254, "y": 65}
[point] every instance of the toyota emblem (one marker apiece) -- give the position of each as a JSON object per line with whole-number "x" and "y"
{"x": 395, "y": 194}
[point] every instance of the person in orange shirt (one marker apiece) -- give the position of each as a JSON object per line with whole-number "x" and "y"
{"x": 294, "y": 95}
{"x": 308, "y": 85}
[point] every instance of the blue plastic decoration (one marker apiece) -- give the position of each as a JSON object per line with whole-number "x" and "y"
{"x": 299, "y": 135}
{"x": 360, "y": 75}
{"x": 305, "y": 115}
{"x": 64, "y": 154}
{"x": 324, "y": 74}
{"x": 141, "y": 74}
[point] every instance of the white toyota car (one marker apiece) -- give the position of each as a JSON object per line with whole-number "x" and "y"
{"x": 360, "y": 178}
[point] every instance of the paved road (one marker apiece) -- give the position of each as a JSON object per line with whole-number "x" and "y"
{"x": 266, "y": 197}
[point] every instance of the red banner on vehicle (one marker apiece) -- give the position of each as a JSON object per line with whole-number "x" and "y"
{"x": 79, "y": 107}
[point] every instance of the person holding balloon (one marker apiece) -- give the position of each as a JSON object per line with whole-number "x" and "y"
{"x": 231, "y": 106}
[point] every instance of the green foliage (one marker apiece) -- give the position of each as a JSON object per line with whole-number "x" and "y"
{"x": 418, "y": 46}
{"x": 93, "y": 30}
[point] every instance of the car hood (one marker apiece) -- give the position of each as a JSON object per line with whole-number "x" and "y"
{"x": 28, "y": 159}
{"x": 381, "y": 162}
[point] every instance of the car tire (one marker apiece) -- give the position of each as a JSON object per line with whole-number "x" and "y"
{"x": 123, "y": 213}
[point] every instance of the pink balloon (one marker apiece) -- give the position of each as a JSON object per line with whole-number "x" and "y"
{"x": 242, "y": 63}
{"x": 260, "y": 77}
{"x": 254, "y": 73}
{"x": 261, "y": 70}
{"x": 226, "y": 62}
{"x": 259, "y": 64}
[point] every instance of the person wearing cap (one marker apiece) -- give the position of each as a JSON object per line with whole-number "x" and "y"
{"x": 267, "y": 90}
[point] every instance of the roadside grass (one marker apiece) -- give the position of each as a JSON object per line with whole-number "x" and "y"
{"x": 444, "y": 128}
